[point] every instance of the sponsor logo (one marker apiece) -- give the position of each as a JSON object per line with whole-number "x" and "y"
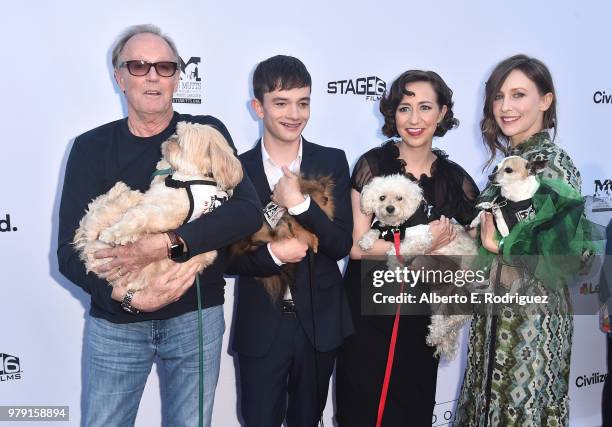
{"x": 10, "y": 369}
{"x": 371, "y": 87}
{"x": 602, "y": 198}
{"x": 601, "y": 97}
{"x": 5, "y": 224}
{"x": 189, "y": 90}
{"x": 588, "y": 288}
{"x": 589, "y": 380}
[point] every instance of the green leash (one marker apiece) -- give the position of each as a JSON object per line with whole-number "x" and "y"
{"x": 200, "y": 357}
{"x": 170, "y": 171}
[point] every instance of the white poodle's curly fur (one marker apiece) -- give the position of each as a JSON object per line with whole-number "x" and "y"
{"x": 123, "y": 215}
{"x": 392, "y": 200}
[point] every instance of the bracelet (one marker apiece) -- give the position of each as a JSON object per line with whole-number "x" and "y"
{"x": 126, "y": 303}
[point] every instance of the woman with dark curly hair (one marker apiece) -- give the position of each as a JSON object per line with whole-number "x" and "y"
{"x": 417, "y": 108}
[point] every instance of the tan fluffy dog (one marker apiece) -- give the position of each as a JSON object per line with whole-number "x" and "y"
{"x": 320, "y": 192}
{"x": 122, "y": 215}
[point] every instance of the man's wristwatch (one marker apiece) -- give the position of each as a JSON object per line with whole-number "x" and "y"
{"x": 126, "y": 303}
{"x": 177, "y": 247}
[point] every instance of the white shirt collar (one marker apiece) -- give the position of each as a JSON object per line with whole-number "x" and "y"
{"x": 266, "y": 157}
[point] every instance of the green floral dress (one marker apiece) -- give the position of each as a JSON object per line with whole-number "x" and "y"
{"x": 518, "y": 363}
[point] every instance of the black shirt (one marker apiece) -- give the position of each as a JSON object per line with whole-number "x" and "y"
{"x": 110, "y": 153}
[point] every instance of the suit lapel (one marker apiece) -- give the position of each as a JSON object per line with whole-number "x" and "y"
{"x": 307, "y": 166}
{"x": 254, "y": 167}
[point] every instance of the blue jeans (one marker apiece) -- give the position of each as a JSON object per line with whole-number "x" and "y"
{"x": 120, "y": 356}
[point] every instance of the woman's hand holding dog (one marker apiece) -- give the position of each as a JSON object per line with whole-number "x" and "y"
{"x": 488, "y": 232}
{"x": 165, "y": 289}
{"x": 442, "y": 232}
{"x": 289, "y": 250}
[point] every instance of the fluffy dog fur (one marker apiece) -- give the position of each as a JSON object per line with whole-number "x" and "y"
{"x": 320, "y": 191}
{"x": 122, "y": 215}
{"x": 392, "y": 200}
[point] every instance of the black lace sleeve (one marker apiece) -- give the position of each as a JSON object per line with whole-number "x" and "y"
{"x": 379, "y": 161}
{"x": 362, "y": 173}
{"x": 455, "y": 191}
{"x": 467, "y": 210}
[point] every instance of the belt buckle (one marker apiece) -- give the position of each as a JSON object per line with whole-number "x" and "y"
{"x": 288, "y": 307}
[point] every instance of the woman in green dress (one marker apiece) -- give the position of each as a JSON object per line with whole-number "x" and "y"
{"x": 518, "y": 364}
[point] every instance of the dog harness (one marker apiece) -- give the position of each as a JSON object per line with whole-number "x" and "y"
{"x": 420, "y": 216}
{"x": 204, "y": 196}
{"x": 508, "y": 213}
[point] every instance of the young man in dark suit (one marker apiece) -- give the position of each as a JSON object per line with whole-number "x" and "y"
{"x": 286, "y": 355}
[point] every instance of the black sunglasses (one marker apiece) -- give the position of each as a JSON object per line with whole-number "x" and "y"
{"x": 141, "y": 68}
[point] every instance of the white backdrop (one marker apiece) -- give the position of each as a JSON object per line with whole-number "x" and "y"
{"x": 56, "y": 82}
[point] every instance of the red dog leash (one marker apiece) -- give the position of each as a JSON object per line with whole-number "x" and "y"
{"x": 389, "y": 367}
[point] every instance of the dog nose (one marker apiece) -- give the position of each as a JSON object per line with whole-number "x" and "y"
{"x": 390, "y": 209}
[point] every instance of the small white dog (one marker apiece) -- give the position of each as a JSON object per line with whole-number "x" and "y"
{"x": 197, "y": 173}
{"x": 393, "y": 200}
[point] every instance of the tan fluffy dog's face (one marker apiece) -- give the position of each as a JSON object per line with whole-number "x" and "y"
{"x": 201, "y": 150}
{"x": 392, "y": 199}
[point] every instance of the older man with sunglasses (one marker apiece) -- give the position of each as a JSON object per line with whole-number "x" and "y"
{"x": 127, "y": 331}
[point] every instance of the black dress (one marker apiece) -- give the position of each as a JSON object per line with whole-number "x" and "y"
{"x": 361, "y": 362}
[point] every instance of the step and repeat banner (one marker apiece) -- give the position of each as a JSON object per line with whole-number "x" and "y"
{"x": 57, "y": 82}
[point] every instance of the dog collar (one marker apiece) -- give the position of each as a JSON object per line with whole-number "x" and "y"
{"x": 160, "y": 172}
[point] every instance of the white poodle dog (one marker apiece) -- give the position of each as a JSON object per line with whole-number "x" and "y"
{"x": 393, "y": 200}
{"x": 197, "y": 173}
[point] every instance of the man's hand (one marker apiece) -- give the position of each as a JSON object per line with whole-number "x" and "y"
{"x": 164, "y": 290}
{"x": 287, "y": 192}
{"x": 488, "y": 233}
{"x": 289, "y": 250}
{"x": 133, "y": 256}
{"x": 443, "y": 233}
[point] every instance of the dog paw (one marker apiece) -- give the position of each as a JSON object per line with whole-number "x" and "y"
{"x": 367, "y": 240}
{"x": 365, "y": 244}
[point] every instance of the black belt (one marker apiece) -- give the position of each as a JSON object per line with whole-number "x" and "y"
{"x": 288, "y": 307}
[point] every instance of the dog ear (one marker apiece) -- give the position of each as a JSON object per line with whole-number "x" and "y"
{"x": 536, "y": 165}
{"x": 181, "y": 128}
{"x": 225, "y": 166}
{"x": 171, "y": 151}
{"x": 366, "y": 201}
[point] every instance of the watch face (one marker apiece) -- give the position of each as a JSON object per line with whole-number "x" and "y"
{"x": 176, "y": 251}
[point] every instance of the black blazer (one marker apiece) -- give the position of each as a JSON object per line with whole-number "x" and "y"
{"x": 256, "y": 318}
